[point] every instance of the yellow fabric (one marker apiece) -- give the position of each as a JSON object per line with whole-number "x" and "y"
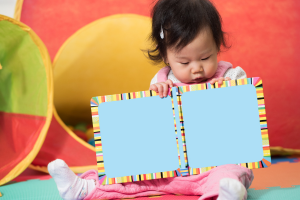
{"x": 18, "y": 10}
{"x": 71, "y": 133}
{"x": 18, "y": 169}
{"x": 279, "y": 151}
{"x": 102, "y": 58}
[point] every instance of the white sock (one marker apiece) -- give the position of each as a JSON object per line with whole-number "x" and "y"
{"x": 231, "y": 189}
{"x": 68, "y": 184}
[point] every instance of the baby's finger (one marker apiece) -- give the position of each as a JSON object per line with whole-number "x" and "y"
{"x": 164, "y": 90}
{"x": 213, "y": 81}
{"x": 227, "y": 79}
{"x": 160, "y": 89}
{"x": 170, "y": 83}
{"x": 153, "y": 87}
{"x": 220, "y": 81}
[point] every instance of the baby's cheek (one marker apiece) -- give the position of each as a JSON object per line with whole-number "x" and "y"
{"x": 186, "y": 76}
{"x": 212, "y": 70}
{"x": 180, "y": 77}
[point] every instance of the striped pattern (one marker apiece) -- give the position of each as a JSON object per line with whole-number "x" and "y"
{"x": 181, "y": 171}
{"x": 173, "y": 109}
{"x": 257, "y": 82}
{"x": 103, "y": 179}
{"x": 194, "y": 171}
{"x": 185, "y": 172}
{"x": 182, "y": 131}
{"x": 95, "y": 101}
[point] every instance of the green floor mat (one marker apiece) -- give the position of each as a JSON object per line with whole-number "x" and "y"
{"x": 46, "y": 190}
{"x": 275, "y": 193}
{"x": 30, "y": 190}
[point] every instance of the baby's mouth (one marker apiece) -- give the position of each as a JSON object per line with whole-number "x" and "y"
{"x": 197, "y": 79}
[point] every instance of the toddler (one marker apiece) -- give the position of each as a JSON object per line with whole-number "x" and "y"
{"x": 188, "y": 36}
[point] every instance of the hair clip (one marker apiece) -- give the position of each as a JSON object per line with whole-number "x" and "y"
{"x": 162, "y": 33}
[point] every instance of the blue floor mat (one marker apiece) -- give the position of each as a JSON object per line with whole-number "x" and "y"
{"x": 277, "y": 159}
{"x": 283, "y": 159}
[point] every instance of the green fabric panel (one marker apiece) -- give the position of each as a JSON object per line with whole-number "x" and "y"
{"x": 275, "y": 193}
{"x": 23, "y": 82}
{"x": 30, "y": 190}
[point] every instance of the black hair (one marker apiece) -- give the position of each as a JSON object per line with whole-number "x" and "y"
{"x": 181, "y": 21}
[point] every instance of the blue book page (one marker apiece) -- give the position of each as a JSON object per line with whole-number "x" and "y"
{"x": 138, "y": 136}
{"x": 222, "y": 126}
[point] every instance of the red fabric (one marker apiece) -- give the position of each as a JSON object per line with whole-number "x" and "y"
{"x": 59, "y": 144}
{"x": 264, "y": 36}
{"x": 265, "y": 43}
{"x": 55, "y": 21}
{"x": 18, "y": 134}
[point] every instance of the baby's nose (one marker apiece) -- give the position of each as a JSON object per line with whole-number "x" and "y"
{"x": 197, "y": 69}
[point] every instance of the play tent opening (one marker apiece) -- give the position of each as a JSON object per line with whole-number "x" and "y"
{"x": 104, "y": 57}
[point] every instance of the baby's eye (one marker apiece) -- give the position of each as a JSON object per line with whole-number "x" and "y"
{"x": 205, "y": 58}
{"x": 185, "y": 63}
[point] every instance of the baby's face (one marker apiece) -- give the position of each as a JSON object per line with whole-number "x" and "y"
{"x": 197, "y": 61}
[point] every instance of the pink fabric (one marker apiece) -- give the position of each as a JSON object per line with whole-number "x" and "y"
{"x": 162, "y": 74}
{"x": 205, "y": 185}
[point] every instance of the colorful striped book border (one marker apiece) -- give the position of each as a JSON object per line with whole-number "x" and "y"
{"x": 181, "y": 171}
{"x": 257, "y": 82}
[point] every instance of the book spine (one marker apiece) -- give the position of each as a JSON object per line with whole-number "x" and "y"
{"x": 179, "y": 131}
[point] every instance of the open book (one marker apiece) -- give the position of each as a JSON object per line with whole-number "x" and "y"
{"x": 192, "y": 130}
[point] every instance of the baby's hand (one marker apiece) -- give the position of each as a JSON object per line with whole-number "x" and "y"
{"x": 162, "y": 88}
{"x": 219, "y": 80}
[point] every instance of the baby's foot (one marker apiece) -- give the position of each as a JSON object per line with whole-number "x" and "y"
{"x": 231, "y": 189}
{"x": 68, "y": 184}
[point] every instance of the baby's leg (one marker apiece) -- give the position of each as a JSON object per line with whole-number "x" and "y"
{"x": 228, "y": 182}
{"x": 68, "y": 184}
